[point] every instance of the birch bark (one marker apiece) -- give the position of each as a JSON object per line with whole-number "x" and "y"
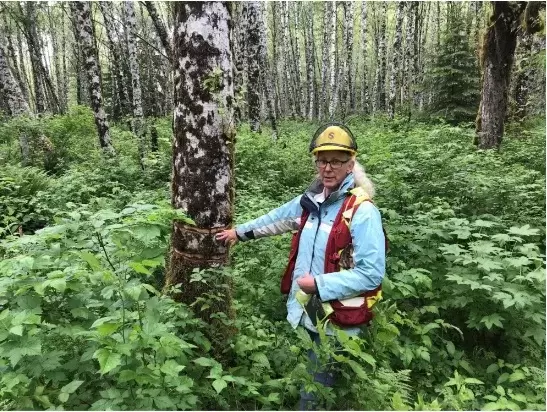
{"x": 202, "y": 182}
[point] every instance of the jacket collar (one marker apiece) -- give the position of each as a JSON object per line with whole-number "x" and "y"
{"x": 317, "y": 187}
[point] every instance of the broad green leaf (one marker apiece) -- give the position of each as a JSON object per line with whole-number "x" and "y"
{"x": 450, "y": 348}
{"x": 71, "y": 387}
{"x": 126, "y": 375}
{"x": 139, "y": 268}
{"x": 59, "y": 284}
{"x": 219, "y": 385}
{"x": 164, "y": 403}
{"x": 17, "y": 330}
{"x": 492, "y": 368}
{"x": 107, "y": 359}
{"x": 205, "y": 361}
{"x": 491, "y": 406}
{"x": 91, "y": 260}
{"x": 483, "y": 223}
{"x": 523, "y": 231}
{"x": 429, "y": 327}
{"x": 368, "y": 359}
{"x": 359, "y": 371}
{"x": 107, "y": 329}
{"x": 63, "y": 397}
{"x": 491, "y": 320}
{"x": 473, "y": 381}
{"x": 171, "y": 368}
{"x": 516, "y": 376}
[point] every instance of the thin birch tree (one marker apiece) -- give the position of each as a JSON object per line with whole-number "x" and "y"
{"x": 396, "y": 58}
{"x": 138, "y": 117}
{"x": 81, "y": 13}
{"x": 364, "y": 75}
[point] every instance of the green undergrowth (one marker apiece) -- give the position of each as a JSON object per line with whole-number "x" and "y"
{"x": 83, "y": 241}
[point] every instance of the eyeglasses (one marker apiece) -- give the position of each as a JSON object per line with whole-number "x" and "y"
{"x": 334, "y": 164}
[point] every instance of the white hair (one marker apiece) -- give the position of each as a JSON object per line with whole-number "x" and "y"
{"x": 359, "y": 177}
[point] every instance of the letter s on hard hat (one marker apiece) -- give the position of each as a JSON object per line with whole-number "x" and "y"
{"x": 333, "y": 136}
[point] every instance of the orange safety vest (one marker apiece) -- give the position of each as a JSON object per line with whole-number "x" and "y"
{"x": 339, "y": 240}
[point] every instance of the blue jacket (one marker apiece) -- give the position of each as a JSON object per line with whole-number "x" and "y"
{"x": 367, "y": 238}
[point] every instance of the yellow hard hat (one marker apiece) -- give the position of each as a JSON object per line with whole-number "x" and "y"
{"x": 333, "y": 136}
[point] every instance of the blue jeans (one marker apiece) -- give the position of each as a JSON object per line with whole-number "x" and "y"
{"x": 322, "y": 375}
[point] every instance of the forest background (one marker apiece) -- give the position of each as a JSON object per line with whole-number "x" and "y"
{"x": 109, "y": 201}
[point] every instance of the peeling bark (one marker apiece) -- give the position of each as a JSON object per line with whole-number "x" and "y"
{"x": 202, "y": 182}
{"x": 81, "y": 13}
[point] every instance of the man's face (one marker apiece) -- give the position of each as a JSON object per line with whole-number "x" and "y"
{"x": 333, "y": 167}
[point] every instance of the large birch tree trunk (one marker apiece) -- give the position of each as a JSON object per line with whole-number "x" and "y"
{"x": 395, "y": 62}
{"x": 81, "y": 13}
{"x": 497, "y": 59}
{"x": 202, "y": 183}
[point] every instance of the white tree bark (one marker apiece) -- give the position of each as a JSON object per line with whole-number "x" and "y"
{"x": 267, "y": 81}
{"x": 333, "y": 68}
{"x": 310, "y": 58}
{"x": 301, "y": 96}
{"x": 288, "y": 66}
{"x": 364, "y": 80}
{"x": 380, "y": 97}
{"x": 349, "y": 48}
{"x": 409, "y": 57}
{"x": 202, "y": 182}
{"x": 82, "y": 17}
{"x": 138, "y": 122}
{"x": 395, "y": 62}
{"x": 16, "y": 102}
{"x": 253, "y": 64}
{"x": 325, "y": 70}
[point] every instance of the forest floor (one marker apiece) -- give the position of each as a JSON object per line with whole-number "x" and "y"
{"x": 83, "y": 242}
